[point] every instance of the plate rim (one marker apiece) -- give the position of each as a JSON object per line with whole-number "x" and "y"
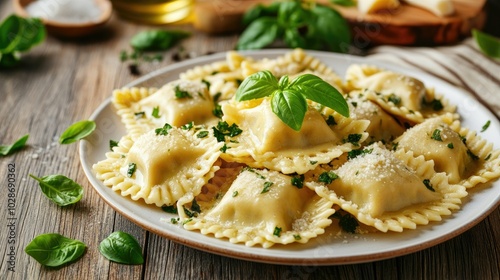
{"x": 249, "y": 256}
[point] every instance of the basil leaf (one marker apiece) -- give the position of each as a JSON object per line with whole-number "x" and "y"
{"x": 333, "y": 28}
{"x": 9, "y": 149}
{"x": 259, "y": 11}
{"x": 157, "y": 40}
{"x": 52, "y": 249}
{"x": 60, "y": 189}
{"x": 293, "y": 39}
{"x": 121, "y": 247}
{"x": 317, "y": 90}
{"x": 77, "y": 131}
{"x": 257, "y": 85}
{"x": 260, "y": 33}
{"x": 488, "y": 44}
{"x": 8, "y": 60}
{"x": 345, "y": 3}
{"x": 18, "y": 34}
{"x": 290, "y": 106}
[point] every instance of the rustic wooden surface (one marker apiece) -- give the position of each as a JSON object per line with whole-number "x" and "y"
{"x": 60, "y": 82}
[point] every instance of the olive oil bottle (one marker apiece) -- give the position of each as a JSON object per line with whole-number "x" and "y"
{"x": 153, "y": 11}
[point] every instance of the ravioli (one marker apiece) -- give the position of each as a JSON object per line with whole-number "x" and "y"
{"x": 177, "y": 103}
{"x": 391, "y": 191}
{"x": 263, "y": 207}
{"x": 160, "y": 169}
{"x": 274, "y": 145}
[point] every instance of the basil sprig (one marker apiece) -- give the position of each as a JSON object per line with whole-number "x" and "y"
{"x": 288, "y": 99}
{"x": 6, "y": 150}
{"x": 52, "y": 249}
{"x": 18, "y": 34}
{"x": 121, "y": 247}
{"x": 77, "y": 131}
{"x": 309, "y": 26}
{"x": 60, "y": 189}
{"x": 157, "y": 40}
{"x": 488, "y": 44}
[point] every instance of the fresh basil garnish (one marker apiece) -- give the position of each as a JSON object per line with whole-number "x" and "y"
{"x": 345, "y": 3}
{"x": 52, "y": 249}
{"x": 6, "y": 150}
{"x": 299, "y": 25}
{"x": 77, "y": 131}
{"x": 488, "y": 44}
{"x": 18, "y": 34}
{"x": 121, "y": 247}
{"x": 60, "y": 189}
{"x": 288, "y": 99}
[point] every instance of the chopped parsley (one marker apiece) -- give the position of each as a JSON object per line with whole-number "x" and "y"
{"x": 187, "y": 221}
{"x": 112, "y": 144}
{"x": 347, "y": 222}
{"x": 472, "y": 155}
{"x": 223, "y": 129}
{"x": 217, "y": 111}
{"x": 217, "y": 97}
{"x": 435, "y": 104}
{"x": 163, "y": 130}
{"x": 298, "y": 181}
{"x": 188, "y": 126}
{"x": 224, "y": 148}
{"x": 354, "y": 104}
{"x": 195, "y": 207}
{"x": 202, "y": 134}
{"x": 485, "y": 126}
{"x": 428, "y": 185}
{"x": 277, "y": 231}
{"x": 189, "y": 213}
{"x": 207, "y": 83}
{"x": 235, "y": 193}
{"x": 169, "y": 209}
{"x": 331, "y": 121}
{"x": 487, "y": 157}
{"x": 139, "y": 115}
{"x": 354, "y": 153}
{"x": 394, "y": 99}
{"x": 327, "y": 177}
{"x": 267, "y": 186}
{"x": 395, "y": 146}
{"x": 249, "y": 169}
{"x": 313, "y": 162}
{"x": 181, "y": 93}
{"x": 450, "y": 145}
{"x": 156, "y": 112}
{"x": 174, "y": 220}
{"x": 353, "y": 139}
{"x": 436, "y": 135}
{"x": 131, "y": 169}
{"x": 297, "y": 237}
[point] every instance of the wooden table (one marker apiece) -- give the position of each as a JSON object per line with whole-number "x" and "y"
{"x": 60, "y": 82}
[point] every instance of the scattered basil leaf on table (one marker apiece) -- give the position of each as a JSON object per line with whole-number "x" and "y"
{"x": 52, "y": 249}
{"x": 288, "y": 99}
{"x": 157, "y": 40}
{"x": 304, "y": 25}
{"x": 6, "y": 150}
{"x": 18, "y": 34}
{"x": 488, "y": 44}
{"x": 77, "y": 131}
{"x": 121, "y": 247}
{"x": 60, "y": 189}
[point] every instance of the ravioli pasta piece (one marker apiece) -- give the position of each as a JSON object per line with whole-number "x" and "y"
{"x": 177, "y": 103}
{"x": 398, "y": 94}
{"x": 466, "y": 158}
{"x": 263, "y": 207}
{"x": 391, "y": 191}
{"x": 167, "y": 167}
{"x": 383, "y": 127}
{"x": 274, "y": 145}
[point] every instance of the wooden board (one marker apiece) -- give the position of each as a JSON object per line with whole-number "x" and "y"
{"x": 406, "y": 25}
{"x": 410, "y": 25}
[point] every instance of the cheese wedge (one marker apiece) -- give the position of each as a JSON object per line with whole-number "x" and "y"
{"x": 372, "y": 6}
{"x": 440, "y": 8}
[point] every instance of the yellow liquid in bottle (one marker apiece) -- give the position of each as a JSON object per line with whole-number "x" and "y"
{"x": 153, "y": 11}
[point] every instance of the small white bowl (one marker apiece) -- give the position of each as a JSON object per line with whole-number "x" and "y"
{"x": 70, "y": 30}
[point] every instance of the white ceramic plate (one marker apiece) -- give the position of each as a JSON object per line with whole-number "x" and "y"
{"x": 330, "y": 248}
